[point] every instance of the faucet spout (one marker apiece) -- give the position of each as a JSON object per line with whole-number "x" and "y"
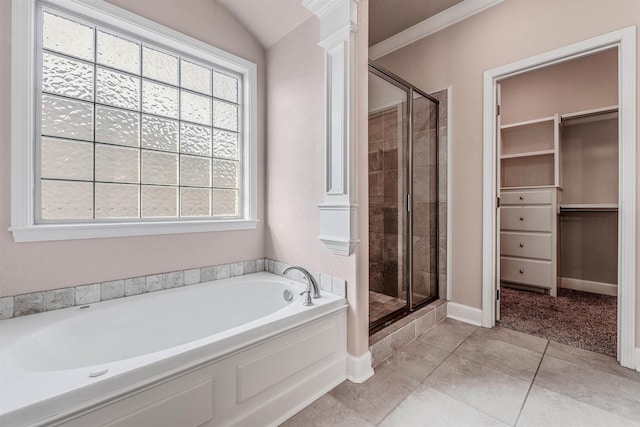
{"x": 312, "y": 286}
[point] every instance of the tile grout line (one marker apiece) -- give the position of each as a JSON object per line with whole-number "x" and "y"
{"x": 577, "y": 399}
{"x": 395, "y": 407}
{"x": 419, "y": 384}
{"x": 422, "y": 382}
{"x": 531, "y": 385}
{"x": 455, "y": 398}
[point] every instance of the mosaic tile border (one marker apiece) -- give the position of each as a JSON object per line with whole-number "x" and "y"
{"x": 37, "y": 302}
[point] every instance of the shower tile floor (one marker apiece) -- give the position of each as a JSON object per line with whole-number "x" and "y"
{"x": 381, "y": 305}
{"x": 462, "y": 375}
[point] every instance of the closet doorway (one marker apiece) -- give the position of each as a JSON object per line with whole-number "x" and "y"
{"x": 558, "y": 189}
{"x": 537, "y": 188}
{"x": 403, "y": 198}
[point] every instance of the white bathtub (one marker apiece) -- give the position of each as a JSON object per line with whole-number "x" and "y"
{"x": 228, "y": 352}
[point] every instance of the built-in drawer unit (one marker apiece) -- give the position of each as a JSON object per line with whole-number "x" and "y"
{"x": 528, "y": 197}
{"x": 528, "y": 272}
{"x": 528, "y": 242}
{"x": 526, "y": 245}
{"x": 527, "y": 218}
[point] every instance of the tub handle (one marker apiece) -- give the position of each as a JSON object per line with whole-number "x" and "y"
{"x": 98, "y": 372}
{"x": 307, "y": 299}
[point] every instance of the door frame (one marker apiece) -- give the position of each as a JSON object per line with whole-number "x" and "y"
{"x": 625, "y": 41}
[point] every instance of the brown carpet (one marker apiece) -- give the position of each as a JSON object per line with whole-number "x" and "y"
{"x": 579, "y": 319}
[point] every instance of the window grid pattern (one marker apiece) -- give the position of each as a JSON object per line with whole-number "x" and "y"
{"x": 131, "y": 131}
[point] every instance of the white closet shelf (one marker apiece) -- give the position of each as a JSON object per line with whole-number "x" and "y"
{"x": 590, "y": 207}
{"x": 592, "y": 112}
{"x": 531, "y": 187}
{"x": 528, "y": 122}
{"x": 528, "y": 154}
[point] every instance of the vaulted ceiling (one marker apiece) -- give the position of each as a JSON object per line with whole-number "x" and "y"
{"x": 270, "y": 20}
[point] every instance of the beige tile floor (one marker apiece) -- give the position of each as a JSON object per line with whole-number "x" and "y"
{"x": 462, "y": 375}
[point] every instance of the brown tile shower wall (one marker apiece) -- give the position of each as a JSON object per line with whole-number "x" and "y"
{"x": 384, "y": 131}
{"x": 424, "y": 163}
{"x": 425, "y": 200}
{"x": 383, "y": 198}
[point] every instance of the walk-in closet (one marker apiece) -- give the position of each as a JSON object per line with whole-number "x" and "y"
{"x": 558, "y": 204}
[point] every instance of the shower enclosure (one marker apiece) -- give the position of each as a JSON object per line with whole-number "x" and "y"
{"x": 403, "y": 199}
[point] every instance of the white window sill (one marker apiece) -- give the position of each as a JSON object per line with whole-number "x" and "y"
{"x": 48, "y": 232}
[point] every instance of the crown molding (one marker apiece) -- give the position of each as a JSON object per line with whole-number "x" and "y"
{"x": 334, "y": 15}
{"x": 320, "y": 8}
{"x": 442, "y": 20}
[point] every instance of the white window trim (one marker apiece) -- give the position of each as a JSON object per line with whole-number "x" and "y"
{"x": 23, "y": 91}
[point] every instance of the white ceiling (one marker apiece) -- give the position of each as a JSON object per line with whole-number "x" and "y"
{"x": 268, "y": 20}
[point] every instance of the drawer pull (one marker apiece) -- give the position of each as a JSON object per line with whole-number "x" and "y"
{"x": 521, "y": 197}
{"x": 521, "y": 271}
{"x": 521, "y": 218}
{"x": 522, "y": 245}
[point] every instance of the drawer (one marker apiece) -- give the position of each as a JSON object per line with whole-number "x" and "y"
{"x": 526, "y": 245}
{"x": 537, "y": 197}
{"x": 527, "y": 272}
{"x": 527, "y": 218}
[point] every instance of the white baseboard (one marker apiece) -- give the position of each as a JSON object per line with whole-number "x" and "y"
{"x": 637, "y": 367}
{"x": 589, "y": 286}
{"x": 359, "y": 368}
{"x": 464, "y": 313}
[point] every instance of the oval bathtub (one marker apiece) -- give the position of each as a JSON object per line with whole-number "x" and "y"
{"x": 230, "y": 344}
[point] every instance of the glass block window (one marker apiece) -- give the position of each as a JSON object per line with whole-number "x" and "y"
{"x": 133, "y": 131}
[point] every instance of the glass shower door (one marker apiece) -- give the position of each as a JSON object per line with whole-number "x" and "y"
{"x": 388, "y": 147}
{"x": 424, "y": 195}
{"x": 403, "y": 198}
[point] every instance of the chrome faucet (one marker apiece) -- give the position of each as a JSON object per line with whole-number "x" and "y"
{"x": 311, "y": 285}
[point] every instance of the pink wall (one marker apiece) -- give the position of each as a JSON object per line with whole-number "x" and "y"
{"x": 573, "y": 86}
{"x": 295, "y": 153}
{"x": 458, "y": 56}
{"x": 30, "y": 267}
{"x": 295, "y": 166}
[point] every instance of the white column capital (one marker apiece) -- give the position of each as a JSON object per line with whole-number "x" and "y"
{"x": 334, "y": 15}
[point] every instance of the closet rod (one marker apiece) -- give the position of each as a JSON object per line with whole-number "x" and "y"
{"x": 612, "y": 109}
{"x": 567, "y": 210}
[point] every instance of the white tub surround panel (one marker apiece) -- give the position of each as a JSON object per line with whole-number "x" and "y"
{"x": 219, "y": 366}
{"x": 338, "y": 212}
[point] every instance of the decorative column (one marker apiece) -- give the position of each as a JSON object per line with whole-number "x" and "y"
{"x": 338, "y": 212}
